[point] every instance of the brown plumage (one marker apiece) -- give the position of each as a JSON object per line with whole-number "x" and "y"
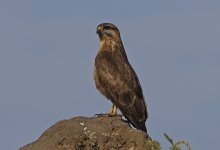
{"x": 116, "y": 79}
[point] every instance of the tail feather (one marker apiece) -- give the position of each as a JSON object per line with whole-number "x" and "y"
{"x": 134, "y": 109}
{"x": 142, "y": 127}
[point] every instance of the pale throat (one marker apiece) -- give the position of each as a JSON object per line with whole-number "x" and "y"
{"x": 106, "y": 44}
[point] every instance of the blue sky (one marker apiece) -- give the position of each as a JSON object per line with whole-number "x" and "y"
{"x": 47, "y": 51}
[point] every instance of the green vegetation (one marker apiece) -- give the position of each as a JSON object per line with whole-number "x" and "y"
{"x": 177, "y": 145}
{"x": 153, "y": 145}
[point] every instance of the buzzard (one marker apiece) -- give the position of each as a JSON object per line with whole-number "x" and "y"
{"x": 116, "y": 79}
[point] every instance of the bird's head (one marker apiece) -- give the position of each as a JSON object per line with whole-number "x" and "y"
{"x": 108, "y": 31}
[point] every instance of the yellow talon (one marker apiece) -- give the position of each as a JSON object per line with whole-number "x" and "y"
{"x": 113, "y": 111}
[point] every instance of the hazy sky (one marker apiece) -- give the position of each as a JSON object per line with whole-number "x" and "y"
{"x": 47, "y": 51}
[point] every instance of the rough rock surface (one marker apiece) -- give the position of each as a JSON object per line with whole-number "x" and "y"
{"x": 91, "y": 133}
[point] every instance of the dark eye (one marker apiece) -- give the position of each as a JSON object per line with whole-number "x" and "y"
{"x": 108, "y": 27}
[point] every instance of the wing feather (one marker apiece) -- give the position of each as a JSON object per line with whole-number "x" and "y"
{"x": 121, "y": 85}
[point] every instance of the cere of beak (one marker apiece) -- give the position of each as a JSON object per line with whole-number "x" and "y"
{"x": 99, "y": 28}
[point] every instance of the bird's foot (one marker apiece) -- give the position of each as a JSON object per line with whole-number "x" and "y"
{"x": 111, "y": 113}
{"x": 108, "y": 115}
{"x": 102, "y": 115}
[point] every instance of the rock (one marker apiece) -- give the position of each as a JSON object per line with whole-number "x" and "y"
{"x": 92, "y": 133}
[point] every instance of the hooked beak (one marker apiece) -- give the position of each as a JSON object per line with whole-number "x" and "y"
{"x": 99, "y": 29}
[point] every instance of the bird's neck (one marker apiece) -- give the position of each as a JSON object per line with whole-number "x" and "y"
{"x": 110, "y": 45}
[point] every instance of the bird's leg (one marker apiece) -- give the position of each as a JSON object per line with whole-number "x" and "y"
{"x": 113, "y": 111}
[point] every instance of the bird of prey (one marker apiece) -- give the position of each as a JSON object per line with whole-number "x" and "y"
{"x": 116, "y": 79}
